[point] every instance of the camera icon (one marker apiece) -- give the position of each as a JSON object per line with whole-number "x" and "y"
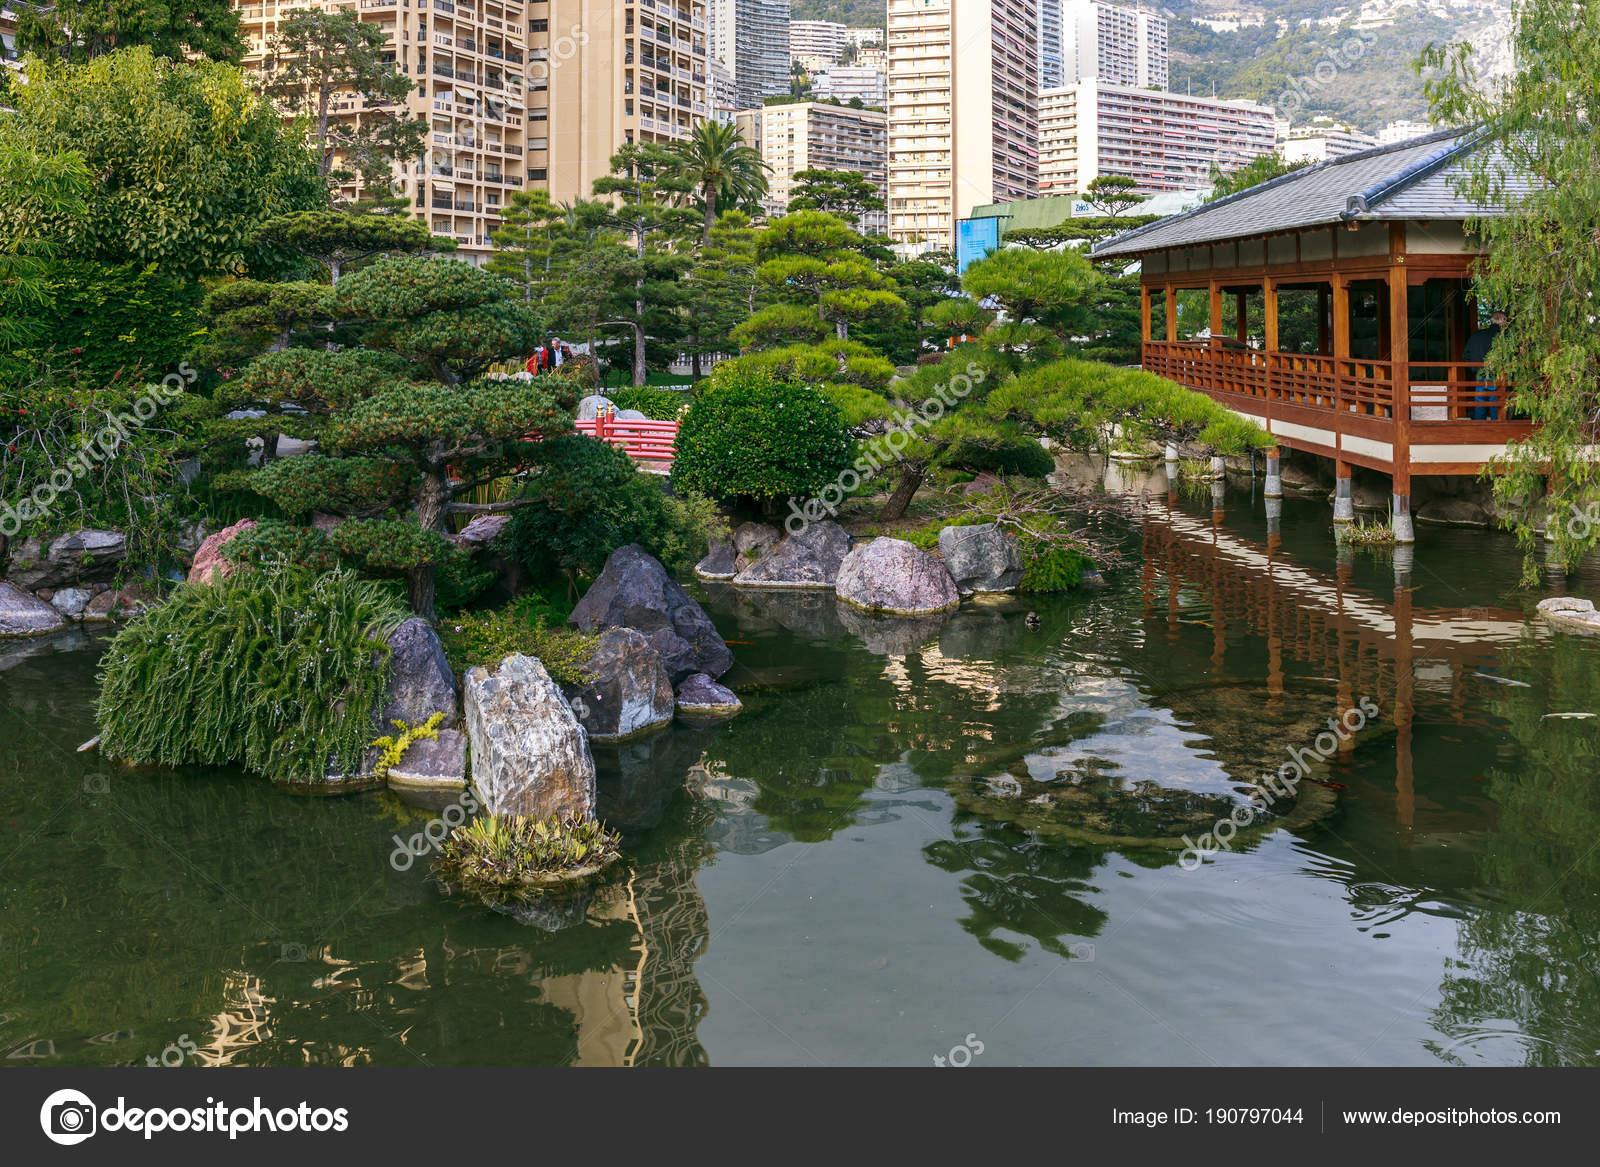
{"x": 68, "y": 1117}
{"x": 292, "y": 953}
{"x": 97, "y": 784}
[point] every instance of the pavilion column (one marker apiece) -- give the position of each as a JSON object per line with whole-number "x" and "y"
{"x": 1216, "y": 308}
{"x": 1400, "y": 364}
{"x": 1146, "y": 313}
{"x": 1344, "y": 502}
{"x": 1241, "y": 317}
{"x": 1172, "y": 313}
{"x": 1269, "y": 315}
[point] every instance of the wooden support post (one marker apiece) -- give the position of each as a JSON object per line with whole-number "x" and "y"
{"x": 1400, "y": 356}
{"x": 1340, "y": 294}
{"x": 1269, "y": 315}
{"x": 1241, "y": 317}
{"x": 1172, "y": 313}
{"x": 1216, "y": 309}
{"x": 1146, "y": 296}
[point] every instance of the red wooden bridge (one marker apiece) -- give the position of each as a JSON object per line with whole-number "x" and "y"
{"x": 651, "y": 443}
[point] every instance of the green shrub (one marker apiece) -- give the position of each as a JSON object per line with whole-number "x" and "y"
{"x": 485, "y": 639}
{"x": 279, "y": 671}
{"x": 586, "y": 499}
{"x": 754, "y": 436}
{"x": 656, "y": 404}
{"x": 275, "y": 543}
{"x": 1052, "y": 567}
{"x": 514, "y": 857}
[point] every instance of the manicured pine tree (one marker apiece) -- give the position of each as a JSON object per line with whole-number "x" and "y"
{"x": 404, "y": 424}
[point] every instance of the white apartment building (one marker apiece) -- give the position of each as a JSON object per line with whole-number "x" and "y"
{"x": 821, "y": 136}
{"x": 963, "y": 113}
{"x": 523, "y": 93}
{"x": 1112, "y": 44}
{"x": 1320, "y": 143}
{"x": 1052, "y": 68}
{"x": 845, "y": 82}
{"x": 1402, "y": 131}
{"x": 751, "y": 37}
{"x": 862, "y": 37}
{"x": 817, "y": 38}
{"x": 1163, "y": 141}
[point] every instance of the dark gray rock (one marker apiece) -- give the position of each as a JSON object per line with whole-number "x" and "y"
{"x": 1455, "y": 512}
{"x": 809, "y": 558}
{"x": 23, "y": 615}
{"x": 981, "y": 558}
{"x": 71, "y": 602}
{"x": 721, "y": 562}
{"x": 479, "y": 533}
{"x": 630, "y": 693}
{"x": 635, "y": 591}
{"x": 752, "y": 541}
{"x": 69, "y": 559}
{"x": 894, "y": 578}
{"x": 432, "y": 765}
{"x": 700, "y": 698}
{"x": 420, "y": 680}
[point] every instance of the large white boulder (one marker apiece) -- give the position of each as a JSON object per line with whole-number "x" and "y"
{"x": 529, "y": 754}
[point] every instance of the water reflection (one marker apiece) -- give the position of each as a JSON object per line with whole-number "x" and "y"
{"x": 965, "y": 806}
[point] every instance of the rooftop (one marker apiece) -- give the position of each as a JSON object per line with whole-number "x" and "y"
{"x": 1406, "y": 180}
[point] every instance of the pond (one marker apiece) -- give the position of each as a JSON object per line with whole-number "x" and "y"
{"x": 914, "y": 843}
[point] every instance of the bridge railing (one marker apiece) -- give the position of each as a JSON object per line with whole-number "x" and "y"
{"x": 647, "y": 441}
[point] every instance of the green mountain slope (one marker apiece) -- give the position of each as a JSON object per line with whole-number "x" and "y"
{"x": 1362, "y": 75}
{"x": 855, "y": 13}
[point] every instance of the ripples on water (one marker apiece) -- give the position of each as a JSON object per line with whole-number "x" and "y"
{"x": 887, "y": 850}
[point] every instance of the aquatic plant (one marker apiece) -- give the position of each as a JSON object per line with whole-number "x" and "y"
{"x": 487, "y": 638}
{"x": 516, "y": 857}
{"x": 394, "y": 747}
{"x": 279, "y": 671}
{"x": 1363, "y": 533}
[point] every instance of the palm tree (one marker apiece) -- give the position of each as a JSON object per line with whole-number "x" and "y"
{"x": 716, "y": 161}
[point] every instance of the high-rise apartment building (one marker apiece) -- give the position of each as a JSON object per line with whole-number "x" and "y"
{"x": 817, "y": 38}
{"x": 815, "y": 135}
{"x": 1052, "y": 68}
{"x": 861, "y": 83}
{"x": 523, "y": 93}
{"x": 1163, "y": 141}
{"x": 1113, "y": 45}
{"x": 1316, "y": 143}
{"x": 963, "y": 113}
{"x": 751, "y": 37}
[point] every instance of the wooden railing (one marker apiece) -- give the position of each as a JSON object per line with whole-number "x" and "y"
{"x": 655, "y": 442}
{"x": 1448, "y": 392}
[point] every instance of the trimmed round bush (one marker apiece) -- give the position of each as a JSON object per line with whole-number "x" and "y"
{"x": 754, "y": 436}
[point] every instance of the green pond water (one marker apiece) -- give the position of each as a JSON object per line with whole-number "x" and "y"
{"x": 913, "y": 834}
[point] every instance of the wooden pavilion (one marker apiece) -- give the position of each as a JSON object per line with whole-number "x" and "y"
{"x": 1340, "y": 303}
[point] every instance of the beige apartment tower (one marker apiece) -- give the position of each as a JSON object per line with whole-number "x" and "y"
{"x": 817, "y": 135}
{"x": 524, "y": 93}
{"x": 963, "y": 113}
